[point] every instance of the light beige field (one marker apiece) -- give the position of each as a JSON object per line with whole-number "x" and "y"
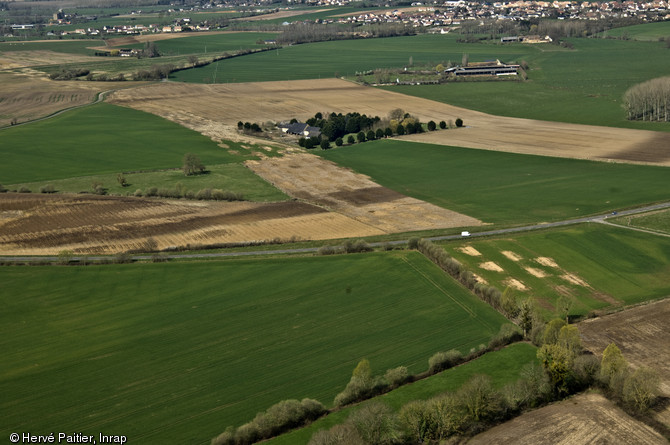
{"x": 317, "y": 181}
{"x": 581, "y": 420}
{"x": 226, "y": 104}
{"x": 26, "y": 97}
{"x": 281, "y": 15}
{"x": 643, "y": 335}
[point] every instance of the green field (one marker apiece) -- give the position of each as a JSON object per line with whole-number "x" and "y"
{"x": 346, "y": 57}
{"x": 176, "y": 352}
{"x": 59, "y": 46}
{"x": 584, "y": 85}
{"x": 502, "y": 366}
{"x": 100, "y": 139}
{"x": 503, "y": 188}
{"x": 658, "y": 221}
{"x": 616, "y": 266}
{"x": 647, "y": 31}
{"x": 230, "y": 177}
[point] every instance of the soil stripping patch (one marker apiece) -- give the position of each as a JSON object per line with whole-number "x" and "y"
{"x": 581, "y": 420}
{"x": 490, "y": 265}
{"x": 41, "y": 224}
{"x": 469, "y": 250}
{"x": 536, "y": 272}
{"x": 515, "y": 284}
{"x": 324, "y": 183}
{"x": 511, "y": 255}
{"x": 546, "y": 261}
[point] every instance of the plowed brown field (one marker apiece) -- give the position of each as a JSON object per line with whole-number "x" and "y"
{"x": 46, "y": 225}
{"x": 643, "y": 335}
{"x": 225, "y": 105}
{"x": 582, "y": 420}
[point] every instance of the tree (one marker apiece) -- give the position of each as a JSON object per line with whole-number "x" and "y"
{"x": 339, "y": 142}
{"x": 641, "y": 389}
{"x": 388, "y": 132}
{"x": 379, "y": 133}
{"x": 465, "y": 59}
{"x": 431, "y": 126}
{"x": 443, "y": 125}
{"x": 568, "y": 337}
{"x": 552, "y": 330}
{"x": 325, "y": 145}
{"x": 360, "y": 136}
{"x": 459, "y": 122}
{"x": 400, "y": 130}
{"x": 371, "y": 135}
{"x": 557, "y": 362}
{"x": 563, "y": 306}
{"x": 121, "y": 180}
{"x": 350, "y": 139}
{"x": 192, "y": 164}
{"x": 612, "y": 363}
{"x": 193, "y": 59}
{"x": 479, "y": 399}
{"x": 397, "y": 114}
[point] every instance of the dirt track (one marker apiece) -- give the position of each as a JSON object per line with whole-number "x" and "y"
{"x": 583, "y": 419}
{"x": 226, "y": 104}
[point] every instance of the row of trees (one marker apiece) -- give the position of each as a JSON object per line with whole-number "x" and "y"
{"x": 649, "y": 101}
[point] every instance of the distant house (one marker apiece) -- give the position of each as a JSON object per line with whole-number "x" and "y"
{"x": 301, "y": 129}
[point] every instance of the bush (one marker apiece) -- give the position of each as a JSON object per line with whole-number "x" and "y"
{"x": 2, "y": 189}
{"x": 396, "y": 376}
{"x": 49, "y": 188}
{"x": 444, "y": 360}
{"x": 431, "y": 126}
{"x": 509, "y": 333}
{"x": 326, "y": 250}
{"x": 356, "y": 246}
{"x": 374, "y": 423}
{"x": 641, "y": 389}
{"x": 344, "y": 434}
{"x": 138, "y": 193}
{"x": 24, "y": 190}
{"x": 413, "y": 243}
{"x": 459, "y": 122}
{"x": 443, "y": 125}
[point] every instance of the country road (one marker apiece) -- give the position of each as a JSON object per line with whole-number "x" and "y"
{"x": 176, "y": 256}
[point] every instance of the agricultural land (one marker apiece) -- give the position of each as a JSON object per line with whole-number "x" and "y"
{"x": 174, "y": 262}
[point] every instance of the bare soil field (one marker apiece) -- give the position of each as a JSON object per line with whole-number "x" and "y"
{"x": 317, "y": 181}
{"x": 227, "y": 104}
{"x": 583, "y": 419}
{"x": 23, "y": 59}
{"x": 643, "y": 335}
{"x": 130, "y": 40}
{"x": 26, "y": 97}
{"x": 87, "y": 224}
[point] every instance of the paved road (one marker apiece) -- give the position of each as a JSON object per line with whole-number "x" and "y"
{"x": 567, "y": 222}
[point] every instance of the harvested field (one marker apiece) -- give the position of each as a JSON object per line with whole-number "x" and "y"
{"x": 45, "y": 225}
{"x": 23, "y": 59}
{"x": 583, "y": 419}
{"x": 282, "y": 15}
{"x": 643, "y": 335}
{"x": 278, "y": 101}
{"x": 321, "y": 182}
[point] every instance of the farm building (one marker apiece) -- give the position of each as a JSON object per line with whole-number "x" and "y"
{"x": 486, "y": 69}
{"x": 301, "y": 129}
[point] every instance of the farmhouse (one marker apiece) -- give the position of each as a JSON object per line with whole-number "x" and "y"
{"x": 301, "y": 129}
{"x": 485, "y": 69}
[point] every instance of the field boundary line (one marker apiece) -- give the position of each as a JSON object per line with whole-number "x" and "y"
{"x": 434, "y": 283}
{"x": 637, "y": 229}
